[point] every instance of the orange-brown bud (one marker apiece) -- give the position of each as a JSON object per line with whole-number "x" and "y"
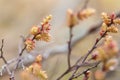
{"x": 85, "y": 13}
{"x": 71, "y": 18}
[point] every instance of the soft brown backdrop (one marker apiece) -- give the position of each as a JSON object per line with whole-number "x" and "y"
{"x": 17, "y": 17}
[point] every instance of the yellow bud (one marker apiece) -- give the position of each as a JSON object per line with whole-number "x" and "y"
{"x": 112, "y": 29}
{"x": 104, "y": 27}
{"x": 29, "y": 48}
{"x": 106, "y": 18}
{"x": 38, "y": 37}
{"x": 35, "y": 30}
{"x": 29, "y": 69}
{"x": 38, "y": 58}
{"x": 42, "y": 75}
{"x": 36, "y": 68}
{"x": 46, "y": 37}
{"x": 116, "y": 21}
{"x": 45, "y": 21}
{"x": 49, "y": 17}
{"x": 29, "y": 45}
{"x": 104, "y": 15}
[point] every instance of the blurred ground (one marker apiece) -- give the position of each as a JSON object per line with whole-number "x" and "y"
{"x": 17, "y": 16}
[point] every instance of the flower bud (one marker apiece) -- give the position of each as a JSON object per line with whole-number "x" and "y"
{"x": 102, "y": 54}
{"x": 71, "y": 18}
{"x": 87, "y": 73}
{"x": 116, "y": 21}
{"x": 85, "y": 13}
{"x": 113, "y": 16}
{"x": 104, "y": 27}
{"x": 29, "y": 48}
{"x": 95, "y": 55}
{"x": 38, "y": 59}
{"x": 111, "y": 64}
{"x": 112, "y": 29}
{"x": 46, "y": 37}
{"x": 106, "y": 18}
{"x": 38, "y": 37}
{"x": 46, "y": 20}
{"x": 30, "y": 44}
{"x": 35, "y": 30}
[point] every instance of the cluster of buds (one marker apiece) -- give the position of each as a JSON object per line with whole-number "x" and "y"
{"x": 107, "y": 54}
{"x": 39, "y": 33}
{"x": 74, "y": 17}
{"x": 30, "y": 44}
{"x": 36, "y": 69}
{"x": 108, "y": 51}
{"x": 110, "y": 23}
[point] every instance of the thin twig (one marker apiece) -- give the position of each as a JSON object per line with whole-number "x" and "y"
{"x": 21, "y": 52}
{"x": 5, "y": 61}
{"x": 70, "y": 49}
{"x": 94, "y": 46}
{"x": 67, "y": 71}
{"x": 74, "y": 67}
{"x": 1, "y": 49}
{"x": 88, "y": 69}
{"x": 19, "y": 56}
{"x": 69, "y": 46}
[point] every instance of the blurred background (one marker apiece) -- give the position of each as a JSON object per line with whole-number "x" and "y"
{"x": 18, "y": 16}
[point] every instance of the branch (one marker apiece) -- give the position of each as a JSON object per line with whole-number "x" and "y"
{"x": 5, "y": 61}
{"x": 19, "y": 59}
{"x": 94, "y": 46}
{"x": 69, "y": 46}
{"x": 88, "y": 69}
{"x": 1, "y": 49}
{"x": 74, "y": 67}
{"x": 85, "y": 4}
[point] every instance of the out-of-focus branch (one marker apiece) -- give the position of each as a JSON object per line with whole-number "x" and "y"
{"x": 85, "y": 4}
{"x": 5, "y": 67}
{"x": 1, "y": 49}
{"x": 19, "y": 59}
